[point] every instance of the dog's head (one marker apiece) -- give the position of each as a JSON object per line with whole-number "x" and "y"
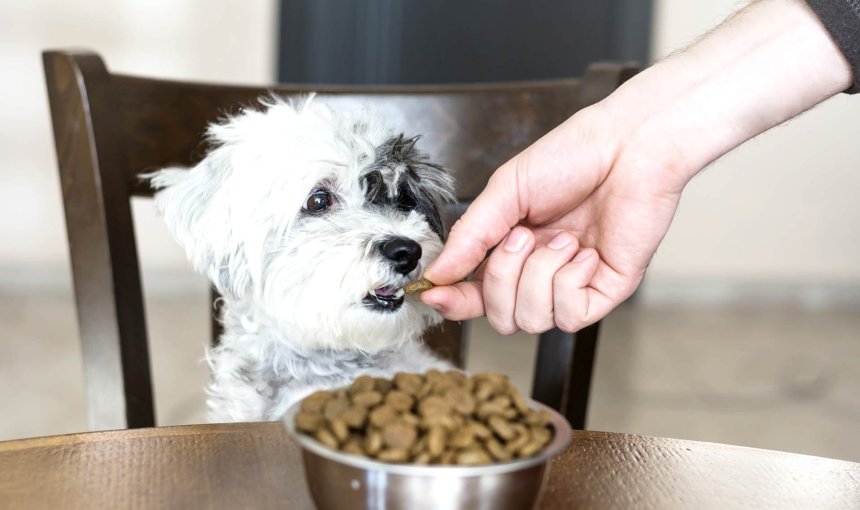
{"x": 313, "y": 221}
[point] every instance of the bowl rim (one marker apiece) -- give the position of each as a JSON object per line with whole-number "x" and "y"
{"x": 561, "y": 438}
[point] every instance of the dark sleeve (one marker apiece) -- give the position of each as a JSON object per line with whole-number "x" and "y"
{"x": 842, "y": 20}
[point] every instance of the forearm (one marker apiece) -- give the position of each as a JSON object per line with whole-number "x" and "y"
{"x": 768, "y": 63}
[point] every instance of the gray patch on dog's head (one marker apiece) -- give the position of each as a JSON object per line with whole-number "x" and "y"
{"x": 403, "y": 178}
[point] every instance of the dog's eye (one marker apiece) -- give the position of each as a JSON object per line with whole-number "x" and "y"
{"x": 406, "y": 203}
{"x": 319, "y": 201}
{"x": 405, "y": 199}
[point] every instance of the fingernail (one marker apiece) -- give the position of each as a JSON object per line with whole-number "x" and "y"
{"x": 517, "y": 240}
{"x": 582, "y": 255}
{"x": 561, "y": 240}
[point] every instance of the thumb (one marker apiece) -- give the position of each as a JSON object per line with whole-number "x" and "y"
{"x": 486, "y": 222}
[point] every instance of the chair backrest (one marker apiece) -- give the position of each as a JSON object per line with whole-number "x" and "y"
{"x": 110, "y": 128}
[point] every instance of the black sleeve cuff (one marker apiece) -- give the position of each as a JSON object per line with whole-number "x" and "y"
{"x": 842, "y": 20}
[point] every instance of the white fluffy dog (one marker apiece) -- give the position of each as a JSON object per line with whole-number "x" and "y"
{"x": 308, "y": 222}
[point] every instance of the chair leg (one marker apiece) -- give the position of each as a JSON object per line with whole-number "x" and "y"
{"x": 562, "y": 378}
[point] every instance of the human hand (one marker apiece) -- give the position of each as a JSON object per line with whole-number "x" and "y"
{"x": 578, "y": 217}
{"x": 579, "y": 214}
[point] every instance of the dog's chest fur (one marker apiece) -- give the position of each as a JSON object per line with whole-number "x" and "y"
{"x": 256, "y": 375}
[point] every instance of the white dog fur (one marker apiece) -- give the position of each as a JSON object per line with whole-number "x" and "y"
{"x": 310, "y": 300}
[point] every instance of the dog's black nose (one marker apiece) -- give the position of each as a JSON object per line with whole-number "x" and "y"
{"x": 403, "y": 253}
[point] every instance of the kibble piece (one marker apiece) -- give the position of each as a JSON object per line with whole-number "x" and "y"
{"x": 499, "y": 380}
{"x": 433, "y": 376}
{"x": 327, "y": 438}
{"x": 519, "y": 403}
{"x": 462, "y": 438}
{"x": 339, "y": 428}
{"x": 410, "y": 383}
{"x": 521, "y": 437}
{"x": 473, "y": 456}
{"x": 410, "y": 419}
{"x": 445, "y": 387}
{"x": 417, "y": 286}
{"x": 419, "y": 446}
{"x": 497, "y": 450}
{"x": 457, "y": 376}
{"x": 444, "y": 420}
{"x": 399, "y": 435}
{"x": 529, "y": 449}
{"x": 424, "y": 390}
{"x": 361, "y": 384}
{"x": 421, "y": 458}
{"x": 367, "y": 398}
{"x": 436, "y": 438}
{"x": 434, "y": 406}
{"x": 462, "y": 402}
{"x": 393, "y": 455}
{"x": 448, "y": 457}
{"x": 501, "y": 427}
{"x": 484, "y": 390}
{"x": 497, "y": 406}
{"x": 308, "y": 422}
{"x": 541, "y": 434}
{"x": 480, "y": 430}
{"x": 353, "y": 446}
{"x": 373, "y": 442}
{"x": 314, "y": 402}
{"x": 382, "y": 416}
{"x": 537, "y": 417}
{"x": 335, "y": 407}
{"x": 355, "y": 417}
{"x": 382, "y": 385}
{"x": 400, "y": 400}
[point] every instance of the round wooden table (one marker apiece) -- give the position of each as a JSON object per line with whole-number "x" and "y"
{"x": 256, "y": 466}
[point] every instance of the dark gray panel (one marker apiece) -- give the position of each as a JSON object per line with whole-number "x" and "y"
{"x": 437, "y": 41}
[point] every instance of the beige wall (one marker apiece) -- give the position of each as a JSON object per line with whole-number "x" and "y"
{"x": 780, "y": 209}
{"x": 783, "y": 207}
{"x": 218, "y": 40}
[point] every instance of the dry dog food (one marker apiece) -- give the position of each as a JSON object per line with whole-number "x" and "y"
{"x": 436, "y": 418}
{"x": 418, "y": 286}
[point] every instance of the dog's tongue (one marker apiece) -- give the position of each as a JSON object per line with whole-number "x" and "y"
{"x": 385, "y": 291}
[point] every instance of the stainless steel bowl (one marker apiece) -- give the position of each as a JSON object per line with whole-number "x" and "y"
{"x": 342, "y": 481}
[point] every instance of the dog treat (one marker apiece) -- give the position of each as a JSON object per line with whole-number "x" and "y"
{"x": 435, "y": 418}
{"x": 417, "y": 286}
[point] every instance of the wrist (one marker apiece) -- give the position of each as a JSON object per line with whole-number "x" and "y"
{"x": 770, "y": 62}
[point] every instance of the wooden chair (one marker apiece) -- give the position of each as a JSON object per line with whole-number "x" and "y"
{"x": 109, "y": 128}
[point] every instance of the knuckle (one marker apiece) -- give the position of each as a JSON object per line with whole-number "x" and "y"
{"x": 505, "y": 329}
{"x": 531, "y": 326}
{"x": 568, "y": 324}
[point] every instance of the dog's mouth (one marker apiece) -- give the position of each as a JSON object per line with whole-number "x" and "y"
{"x": 385, "y": 299}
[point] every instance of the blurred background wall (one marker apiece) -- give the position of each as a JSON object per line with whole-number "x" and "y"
{"x": 777, "y": 218}
{"x": 746, "y": 330}
{"x": 217, "y": 40}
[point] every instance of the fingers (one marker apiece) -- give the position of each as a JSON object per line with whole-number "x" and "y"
{"x": 575, "y": 304}
{"x": 536, "y": 290}
{"x": 486, "y": 222}
{"x": 501, "y": 279}
{"x": 458, "y": 302}
{"x": 534, "y": 296}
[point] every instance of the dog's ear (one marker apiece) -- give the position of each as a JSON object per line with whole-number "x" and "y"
{"x": 193, "y": 205}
